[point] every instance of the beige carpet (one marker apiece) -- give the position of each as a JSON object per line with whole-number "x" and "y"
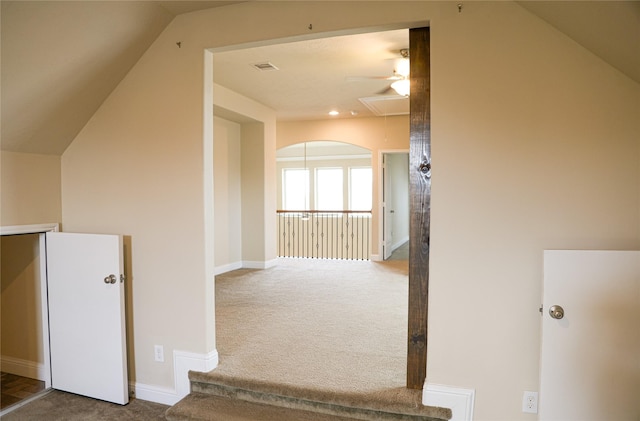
{"x": 322, "y": 335}
{"x": 318, "y": 324}
{"x": 62, "y": 406}
{"x": 327, "y": 336}
{"x": 401, "y": 253}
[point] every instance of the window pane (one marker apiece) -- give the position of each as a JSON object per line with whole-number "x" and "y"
{"x": 360, "y": 189}
{"x": 329, "y": 189}
{"x": 295, "y": 192}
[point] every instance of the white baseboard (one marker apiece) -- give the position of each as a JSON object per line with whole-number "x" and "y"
{"x": 157, "y": 394}
{"x": 183, "y": 361}
{"x": 460, "y": 400}
{"x": 249, "y": 264}
{"x": 227, "y": 268}
{"x": 24, "y": 368}
{"x": 399, "y": 243}
{"x": 245, "y": 264}
{"x": 375, "y": 258}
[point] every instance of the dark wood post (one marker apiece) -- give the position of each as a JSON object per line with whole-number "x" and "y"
{"x": 420, "y": 206}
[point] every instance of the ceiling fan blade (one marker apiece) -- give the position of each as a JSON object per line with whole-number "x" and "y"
{"x": 388, "y": 90}
{"x": 362, "y": 78}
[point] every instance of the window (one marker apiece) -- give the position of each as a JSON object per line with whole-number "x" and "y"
{"x": 295, "y": 192}
{"x": 360, "y": 182}
{"x": 329, "y": 189}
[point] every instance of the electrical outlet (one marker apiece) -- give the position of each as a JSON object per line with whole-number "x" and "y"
{"x": 158, "y": 351}
{"x": 530, "y": 402}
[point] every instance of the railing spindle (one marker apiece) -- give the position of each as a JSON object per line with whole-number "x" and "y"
{"x": 324, "y": 234}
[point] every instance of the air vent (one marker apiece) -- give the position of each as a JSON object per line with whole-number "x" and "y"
{"x": 264, "y": 67}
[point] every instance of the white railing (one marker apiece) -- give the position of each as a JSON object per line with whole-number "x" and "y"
{"x": 324, "y": 234}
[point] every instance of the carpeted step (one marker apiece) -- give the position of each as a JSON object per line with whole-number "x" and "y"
{"x": 213, "y": 394}
{"x": 204, "y": 407}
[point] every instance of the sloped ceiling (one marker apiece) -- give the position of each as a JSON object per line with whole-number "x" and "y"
{"x": 61, "y": 59}
{"x": 609, "y": 29}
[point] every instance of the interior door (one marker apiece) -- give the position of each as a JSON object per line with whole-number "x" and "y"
{"x": 387, "y": 214}
{"x": 590, "y": 363}
{"x": 86, "y": 315}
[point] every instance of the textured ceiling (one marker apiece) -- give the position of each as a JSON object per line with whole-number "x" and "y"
{"x": 60, "y": 61}
{"x": 315, "y": 76}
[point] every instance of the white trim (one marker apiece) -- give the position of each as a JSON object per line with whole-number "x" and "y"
{"x": 395, "y": 246}
{"x": 251, "y": 264}
{"x": 184, "y": 361}
{"x": 44, "y": 305}
{"x": 29, "y": 229}
{"x": 375, "y": 258}
{"x": 24, "y": 368}
{"x": 157, "y": 394}
{"x": 461, "y": 401}
{"x": 245, "y": 264}
{"x": 322, "y": 158}
{"x": 227, "y": 268}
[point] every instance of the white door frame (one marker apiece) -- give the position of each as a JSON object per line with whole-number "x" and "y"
{"x": 39, "y": 229}
{"x": 381, "y": 215}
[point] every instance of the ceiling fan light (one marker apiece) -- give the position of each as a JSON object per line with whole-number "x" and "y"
{"x": 402, "y": 68}
{"x": 402, "y": 87}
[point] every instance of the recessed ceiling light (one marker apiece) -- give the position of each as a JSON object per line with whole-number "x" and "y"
{"x": 333, "y": 112}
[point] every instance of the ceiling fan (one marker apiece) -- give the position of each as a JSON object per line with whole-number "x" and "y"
{"x": 400, "y": 77}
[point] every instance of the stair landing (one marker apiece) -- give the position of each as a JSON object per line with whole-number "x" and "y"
{"x": 217, "y": 397}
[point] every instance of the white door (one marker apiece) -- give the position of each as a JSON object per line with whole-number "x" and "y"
{"x": 387, "y": 214}
{"x": 86, "y": 315}
{"x": 590, "y": 362}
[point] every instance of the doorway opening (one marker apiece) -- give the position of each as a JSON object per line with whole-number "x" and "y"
{"x": 25, "y": 363}
{"x": 420, "y": 138}
{"x": 394, "y": 205}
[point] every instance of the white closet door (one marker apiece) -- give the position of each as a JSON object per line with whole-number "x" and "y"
{"x": 86, "y": 315}
{"x": 590, "y": 363}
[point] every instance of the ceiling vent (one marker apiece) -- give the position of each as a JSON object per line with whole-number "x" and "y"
{"x": 265, "y": 67}
{"x": 387, "y": 104}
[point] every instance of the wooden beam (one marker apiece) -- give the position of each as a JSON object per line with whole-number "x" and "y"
{"x": 420, "y": 206}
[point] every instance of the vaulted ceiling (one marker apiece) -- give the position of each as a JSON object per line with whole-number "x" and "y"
{"x": 61, "y": 59}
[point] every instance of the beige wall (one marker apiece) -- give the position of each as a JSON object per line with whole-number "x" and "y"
{"x": 376, "y": 134}
{"x": 227, "y": 193}
{"x": 21, "y": 304}
{"x": 258, "y": 170}
{"x": 534, "y": 146}
{"x": 253, "y": 205}
{"x": 30, "y": 190}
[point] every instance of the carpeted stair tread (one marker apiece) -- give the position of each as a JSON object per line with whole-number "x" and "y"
{"x": 387, "y": 404}
{"x": 203, "y": 407}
